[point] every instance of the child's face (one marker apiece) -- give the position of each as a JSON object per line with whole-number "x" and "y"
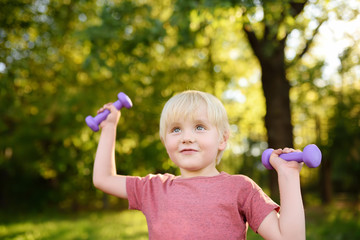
{"x": 193, "y": 144}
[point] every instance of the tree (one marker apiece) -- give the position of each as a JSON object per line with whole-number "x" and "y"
{"x": 40, "y": 156}
{"x": 267, "y": 25}
{"x": 269, "y": 44}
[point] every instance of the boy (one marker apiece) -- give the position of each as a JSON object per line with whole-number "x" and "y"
{"x": 201, "y": 203}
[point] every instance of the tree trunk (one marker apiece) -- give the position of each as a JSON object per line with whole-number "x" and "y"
{"x": 325, "y": 169}
{"x": 270, "y": 51}
{"x": 325, "y": 181}
{"x": 276, "y": 90}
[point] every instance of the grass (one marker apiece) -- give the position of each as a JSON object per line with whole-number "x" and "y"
{"x": 334, "y": 222}
{"x": 322, "y": 223}
{"x": 94, "y": 225}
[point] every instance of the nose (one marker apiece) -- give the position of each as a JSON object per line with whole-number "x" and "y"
{"x": 188, "y": 137}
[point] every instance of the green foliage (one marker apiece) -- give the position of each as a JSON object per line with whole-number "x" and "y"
{"x": 62, "y": 60}
{"x": 344, "y": 144}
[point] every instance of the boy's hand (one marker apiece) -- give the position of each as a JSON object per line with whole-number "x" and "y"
{"x": 280, "y": 164}
{"x": 112, "y": 118}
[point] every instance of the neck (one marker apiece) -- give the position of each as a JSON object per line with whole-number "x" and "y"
{"x": 199, "y": 173}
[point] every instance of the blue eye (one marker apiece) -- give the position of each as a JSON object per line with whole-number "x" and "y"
{"x": 176, "y": 130}
{"x": 200, "y": 128}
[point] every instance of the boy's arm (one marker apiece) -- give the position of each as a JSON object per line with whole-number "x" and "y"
{"x": 105, "y": 177}
{"x": 290, "y": 224}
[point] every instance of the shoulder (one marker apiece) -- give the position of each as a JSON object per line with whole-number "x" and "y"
{"x": 242, "y": 181}
{"x": 151, "y": 178}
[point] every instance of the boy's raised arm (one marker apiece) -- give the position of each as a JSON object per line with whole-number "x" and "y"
{"x": 290, "y": 224}
{"x": 105, "y": 177}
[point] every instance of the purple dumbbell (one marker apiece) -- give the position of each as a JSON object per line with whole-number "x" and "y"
{"x": 93, "y": 122}
{"x": 311, "y": 156}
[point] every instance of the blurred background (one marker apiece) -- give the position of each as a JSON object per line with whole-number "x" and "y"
{"x": 287, "y": 72}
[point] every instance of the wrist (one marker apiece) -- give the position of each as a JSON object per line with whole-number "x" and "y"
{"x": 109, "y": 125}
{"x": 288, "y": 174}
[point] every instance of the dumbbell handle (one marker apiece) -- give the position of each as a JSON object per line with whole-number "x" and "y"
{"x": 93, "y": 122}
{"x": 311, "y": 156}
{"x": 293, "y": 156}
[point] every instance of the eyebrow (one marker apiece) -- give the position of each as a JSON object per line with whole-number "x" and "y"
{"x": 173, "y": 124}
{"x": 196, "y": 121}
{"x": 200, "y": 120}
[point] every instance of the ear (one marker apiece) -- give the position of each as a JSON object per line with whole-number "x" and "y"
{"x": 223, "y": 140}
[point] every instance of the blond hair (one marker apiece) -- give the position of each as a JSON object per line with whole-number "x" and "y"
{"x": 185, "y": 104}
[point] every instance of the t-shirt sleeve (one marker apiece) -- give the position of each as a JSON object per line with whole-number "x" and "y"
{"x": 134, "y": 190}
{"x": 142, "y": 190}
{"x": 257, "y": 206}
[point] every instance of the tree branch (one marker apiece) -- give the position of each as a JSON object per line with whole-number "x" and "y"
{"x": 307, "y": 45}
{"x": 253, "y": 40}
{"x": 297, "y": 7}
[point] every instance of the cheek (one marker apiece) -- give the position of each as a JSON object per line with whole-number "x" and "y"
{"x": 211, "y": 140}
{"x": 170, "y": 145}
{"x": 171, "y": 149}
{"x": 210, "y": 145}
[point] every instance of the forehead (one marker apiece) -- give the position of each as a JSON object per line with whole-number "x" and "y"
{"x": 192, "y": 112}
{"x": 198, "y": 115}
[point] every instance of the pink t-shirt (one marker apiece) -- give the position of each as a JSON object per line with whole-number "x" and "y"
{"x": 218, "y": 207}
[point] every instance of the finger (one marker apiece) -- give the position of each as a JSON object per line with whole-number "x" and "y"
{"x": 288, "y": 150}
{"x": 106, "y": 106}
{"x": 112, "y": 108}
{"x": 274, "y": 157}
{"x": 277, "y": 152}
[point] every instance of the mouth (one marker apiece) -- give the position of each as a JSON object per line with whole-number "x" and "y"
{"x": 188, "y": 151}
